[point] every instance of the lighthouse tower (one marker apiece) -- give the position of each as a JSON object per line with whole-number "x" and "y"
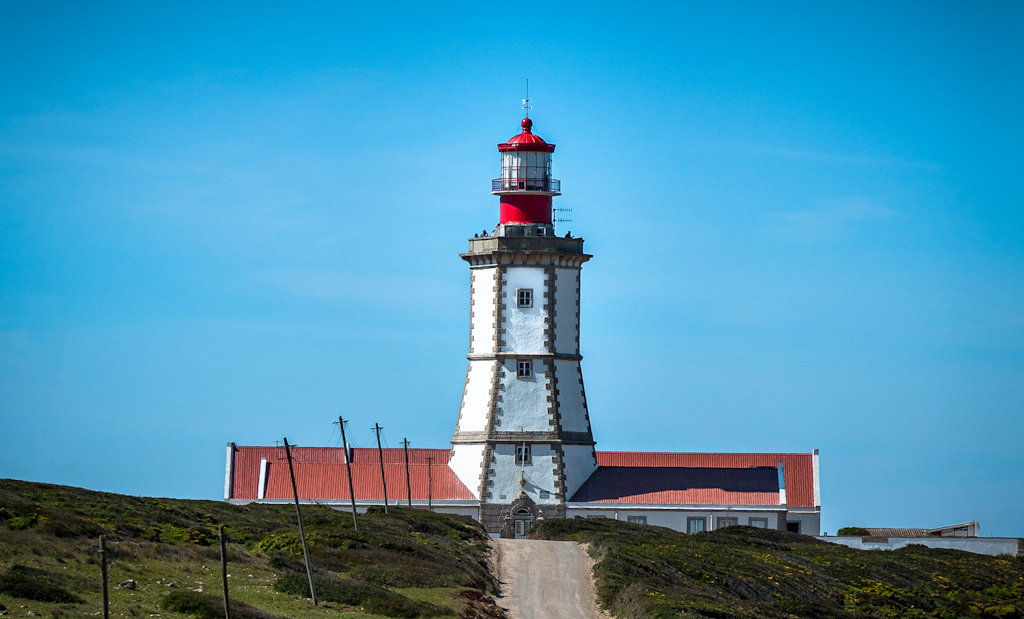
{"x": 523, "y": 443}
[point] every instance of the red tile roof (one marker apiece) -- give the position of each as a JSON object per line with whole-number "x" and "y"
{"x": 798, "y": 469}
{"x": 675, "y": 485}
{"x": 320, "y": 474}
{"x": 622, "y": 477}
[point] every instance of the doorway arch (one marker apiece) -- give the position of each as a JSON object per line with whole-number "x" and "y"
{"x": 522, "y": 522}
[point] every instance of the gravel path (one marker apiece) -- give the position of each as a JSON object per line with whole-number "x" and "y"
{"x": 541, "y": 579}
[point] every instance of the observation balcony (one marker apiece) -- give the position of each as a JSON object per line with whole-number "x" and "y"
{"x": 511, "y": 185}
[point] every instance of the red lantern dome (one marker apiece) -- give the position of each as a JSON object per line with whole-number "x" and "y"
{"x": 525, "y": 185}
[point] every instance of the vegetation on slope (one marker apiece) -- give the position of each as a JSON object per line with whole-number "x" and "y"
{"x": 165, "y": 555}
{"x": 742, "y": 572}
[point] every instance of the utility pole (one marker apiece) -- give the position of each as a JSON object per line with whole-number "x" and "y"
{"x": 430, "y": 481}
{"x": 408, "y": 486}
{"x": 380, "y": 454}
{"x": 348, "y": 468}
{"x": 224, "y": 570}
{"x": 103, "y": 575}
{"x": 298, "y": 514}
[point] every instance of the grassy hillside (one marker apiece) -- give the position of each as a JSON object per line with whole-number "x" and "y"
{"x": 410, "y": 563}
{"x": 744, "y": 572}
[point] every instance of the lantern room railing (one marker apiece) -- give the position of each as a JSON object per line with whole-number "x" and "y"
{"x": 549, "y": 185}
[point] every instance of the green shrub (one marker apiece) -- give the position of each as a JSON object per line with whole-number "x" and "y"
{"x": 286, "y": 542}
{"x": 746, "y": 572}
{"x": 408, "y": 547}
{"x": 330, "y": 588}
{"x": 34, "y": 584}
{"x": 410, "y": 574}
{"x": 286, "y": 562}
{"x": 208, "y": 607}
{"x": 376, "y": 600}
{"x": 402, "y": 607}
{"x": 191, "y": 603}
{"x": 853, "y": 532}
{"x": 20, "y": 523}
{"x": 186, "y": 535}
{"x": 69, "y": 525}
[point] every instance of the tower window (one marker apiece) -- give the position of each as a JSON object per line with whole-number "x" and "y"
{"x": 524, "y": 297}
{"x": 524, "y": 369}
{"x": 522, "y": 454}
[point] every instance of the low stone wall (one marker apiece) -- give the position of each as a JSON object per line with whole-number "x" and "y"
{"x": 1013, "y": 546}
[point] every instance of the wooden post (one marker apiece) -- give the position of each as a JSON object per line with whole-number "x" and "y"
{"x": 348, "y": 468}
{"x": 224, "y": 570}
{"x": 103, "y": 575}
{"x": 430, "y": 481}
{"x": 408, "y": 485}
{"x": 380, "y": 454}
{"x": 302, "y": 529}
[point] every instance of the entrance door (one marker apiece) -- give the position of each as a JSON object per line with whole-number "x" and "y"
{"x": 521, "y": 522}
{"x": 520, "y": 526}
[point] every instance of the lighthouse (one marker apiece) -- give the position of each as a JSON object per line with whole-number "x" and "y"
{"x": 523, "y": 443}
{"x": 523, "y": 447}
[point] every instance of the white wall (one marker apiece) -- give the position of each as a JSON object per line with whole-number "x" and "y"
{"x": 482, "y": 324}
{"x": 675, "y": 518}
{"x": 470, "y": 512}
{"x": 476, "y": 401}
{"x": 466, "y": 462}
{"x": 578, "y": 463}
{"x": 458, "y": 507}
{"x": 524, "y": 327}
{"x": 539, "y": 474}
{"x": 524, "y": 404}
{"x": 978, "y": 545}
{"x": 570, "y": 396}
{"x": 566, "y": 300}
{"x": 810, "y": 523}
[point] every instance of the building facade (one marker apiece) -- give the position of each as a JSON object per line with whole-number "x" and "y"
{"x": 523, "y": 448}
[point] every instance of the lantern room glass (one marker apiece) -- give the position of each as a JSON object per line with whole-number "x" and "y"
{"x": 526, "y": 170}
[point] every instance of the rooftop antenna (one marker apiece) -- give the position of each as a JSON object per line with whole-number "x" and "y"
{"x": 526, "y": 101}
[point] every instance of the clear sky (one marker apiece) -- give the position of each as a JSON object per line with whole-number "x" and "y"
{"x": 237, "y": 221}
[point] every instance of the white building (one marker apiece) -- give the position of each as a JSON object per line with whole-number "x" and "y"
{"x": 523, "y": 448}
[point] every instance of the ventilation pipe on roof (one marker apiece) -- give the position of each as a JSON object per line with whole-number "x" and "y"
{"x": 817, "y": 484}
{"x": 229, "y": 473}
{"x": 262, "y": 490}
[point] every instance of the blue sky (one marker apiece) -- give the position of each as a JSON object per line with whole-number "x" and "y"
{"x": 237, "y": 222}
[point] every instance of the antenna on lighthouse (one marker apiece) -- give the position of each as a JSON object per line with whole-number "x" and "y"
{"x": 526, "y": 101}
{"x": 561, "y": 214}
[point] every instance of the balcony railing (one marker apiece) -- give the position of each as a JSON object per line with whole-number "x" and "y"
{"x": 549, "y": 185}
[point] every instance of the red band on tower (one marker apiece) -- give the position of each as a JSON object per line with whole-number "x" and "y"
{"x": 525, "y": 209}
{"x": 525, "y": 186}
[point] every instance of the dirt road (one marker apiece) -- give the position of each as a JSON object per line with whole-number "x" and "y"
{"x": 541, "y": 579}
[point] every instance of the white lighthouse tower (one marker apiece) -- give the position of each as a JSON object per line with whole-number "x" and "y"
{"x": 523, "y": 443}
